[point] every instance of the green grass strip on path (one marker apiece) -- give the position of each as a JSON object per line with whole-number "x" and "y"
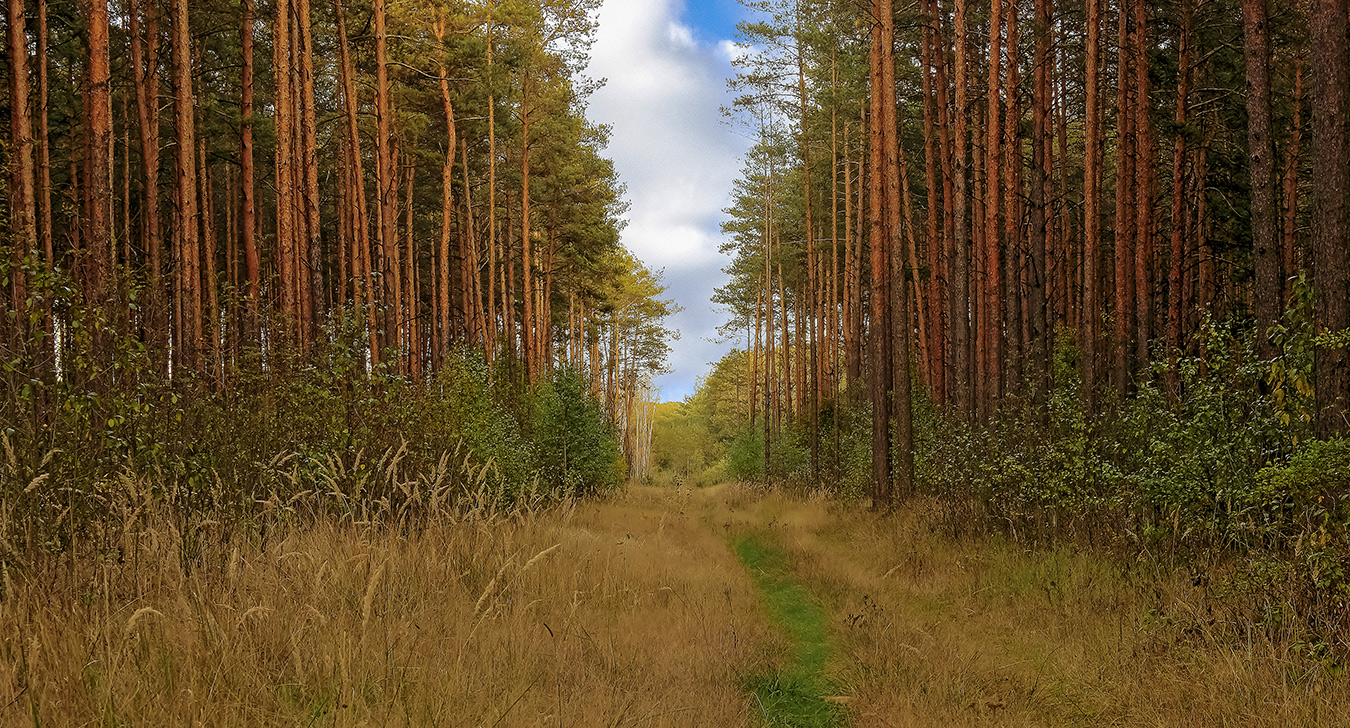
{"x": 793, "y": 696}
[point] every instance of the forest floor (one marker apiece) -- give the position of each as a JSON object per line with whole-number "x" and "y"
{"x": 724, "y": 606}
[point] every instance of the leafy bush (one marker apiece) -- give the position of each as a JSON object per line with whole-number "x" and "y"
{"x": 745, "y": 453}
{"x": 578, "y": 451}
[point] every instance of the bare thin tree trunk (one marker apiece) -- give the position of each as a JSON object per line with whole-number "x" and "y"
{"x": 1144, "y": 160}
{"x": 411, "y": 291}
{"x": 934, "y": 240}
{"x": 1177, "y": 260}
{"x": 310, "y": 263}
{"x": 447, "y": 183}
{"x": 44, "y": 181}
{"x": 1289, "y": 234}
{"x": 1261, "y": 156}
{"x": 386, "y": 204}
{"x": 529, "y": 324}
{"x": 1042, "y": 234}
{"x": 209, "y": 278}
{"x": 248, "y": 215}
{"x": 1124, "y": 219}
{"x": 361, "y": 257}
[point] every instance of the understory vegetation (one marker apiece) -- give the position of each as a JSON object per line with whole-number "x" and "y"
{"x": 1224, "y": 483}
{"x": 87, "y": 475}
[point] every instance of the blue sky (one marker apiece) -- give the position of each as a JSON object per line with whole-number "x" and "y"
{"x": 666, "y": 63}
{"x": 714, "y": 18}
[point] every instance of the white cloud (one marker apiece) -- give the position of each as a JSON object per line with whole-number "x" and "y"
{"x": 732, "y": 51}
{"x": 663, "y": 97}
{"x": 681, "y": 35}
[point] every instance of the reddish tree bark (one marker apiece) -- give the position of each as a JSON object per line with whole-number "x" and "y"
{"x": 1092, "y": 173}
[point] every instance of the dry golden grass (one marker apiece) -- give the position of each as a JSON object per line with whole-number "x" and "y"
{"x": 936, "y": 633}
{"x": 603, "y": 613}
{"x": 627, "y": 612}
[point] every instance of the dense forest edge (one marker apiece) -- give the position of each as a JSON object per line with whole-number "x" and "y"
{"x": 1072, "y": 270}
{"x": 358, "y": 259}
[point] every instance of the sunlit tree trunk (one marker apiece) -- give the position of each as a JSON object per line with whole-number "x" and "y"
{"x": 447, "y": 203}
{"x": 386, "y": 205}
{"x": 987, "y": 381}
{"x": 248, "y": 215}
{"x": 286, "y": 181}
{"x": 879, "y": 329}
{"x": 310, "y": 260}
{"x": 22, "y": 213}
{"x": 959, "y": 273}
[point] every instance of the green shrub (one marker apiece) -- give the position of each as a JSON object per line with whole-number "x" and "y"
{"x": 745, "y": 453}
{"x": 577, "y": 449}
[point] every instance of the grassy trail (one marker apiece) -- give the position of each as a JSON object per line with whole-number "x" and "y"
{"x": 658, "y": 607}
{"x": 796, "y": 695}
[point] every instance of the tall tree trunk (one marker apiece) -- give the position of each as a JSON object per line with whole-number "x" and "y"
{"x": 879, "y": 329}
{"x": 44, "y": 184}
{"x": 492, "y": 318}
{"x": 101, "y": 292}
{"x": 987, "y": 382}
{"x": 1124, "y": 219}
{"x": 813, "y": 283}
{"x": 946, "y": 253}
{"x": 1092, "y": 172}
{"x": 1261, "y": 157}
{"x": 447, "y": 203}
{"x": 286, "y": 182}
{"x": 186, "y": 236}
{"x": 1177, "y": 259}
{"x": 247, "y": 176}
{"x": 411, "y": 291}
{"x": 1331, "y": 167}
{"x": 933, "y": 237}
{"x": 903, "y": 471}
{"x": 310, "y": 262}
{"x": 529, "y": 324}
{"x": 361, "y": 257}
{"x": 959, "y": 275}
{"x": 22, "y": 213}
{"x": 211, "y": 316}
{"x": 475, "y": 280}
{"x": 1012, "y": 213}
{"x": 1144, "y": 159}
{"x": 1041, "y": 318}
{"x": 386, "y": 205}
{"x": 1293, "y": 149}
